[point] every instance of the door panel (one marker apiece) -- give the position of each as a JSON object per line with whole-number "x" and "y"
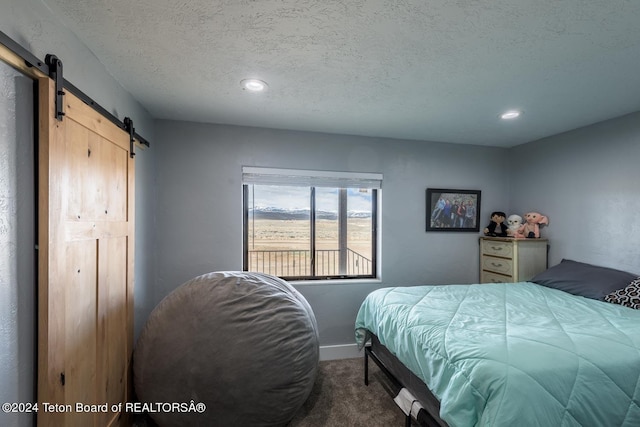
{"x": 112, "y": 321}
{"x": 80, "y": 310}
{"x": 86, "y": 252}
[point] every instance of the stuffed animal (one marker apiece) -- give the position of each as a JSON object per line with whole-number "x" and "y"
{"x": 531, "y": 229}
{"x": 496, "y": 227}
{"x": 514, "y": 222}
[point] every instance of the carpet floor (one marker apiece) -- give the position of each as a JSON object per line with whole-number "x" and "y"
{"x": 340, "y": 398}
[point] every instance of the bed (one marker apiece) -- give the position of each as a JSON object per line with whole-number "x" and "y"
{"x": 510, "y": 354}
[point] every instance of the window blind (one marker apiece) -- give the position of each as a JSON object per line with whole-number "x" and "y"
{"x": 310, "y": 178}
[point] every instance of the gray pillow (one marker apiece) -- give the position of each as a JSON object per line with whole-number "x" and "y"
{"x": 583, "y": 279}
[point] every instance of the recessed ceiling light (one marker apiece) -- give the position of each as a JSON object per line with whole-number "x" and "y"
{"x": 511, "y": 114}
{"x": 254, "y": 85}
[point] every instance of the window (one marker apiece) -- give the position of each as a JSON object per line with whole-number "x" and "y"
{"x": 310, "y": 224}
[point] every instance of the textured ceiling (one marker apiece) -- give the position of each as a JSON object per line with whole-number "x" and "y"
{"x": 436, "y": 70}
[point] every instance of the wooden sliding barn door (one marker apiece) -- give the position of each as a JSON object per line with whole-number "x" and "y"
{"x": 86, "y": 229}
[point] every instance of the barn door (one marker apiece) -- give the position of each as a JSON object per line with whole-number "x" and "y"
{"x": 86, "y": 213}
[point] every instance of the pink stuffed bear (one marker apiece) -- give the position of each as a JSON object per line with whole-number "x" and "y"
{"x": 531, "y": 229}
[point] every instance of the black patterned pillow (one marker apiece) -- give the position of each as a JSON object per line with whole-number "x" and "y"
{"x": 629, "y": 296}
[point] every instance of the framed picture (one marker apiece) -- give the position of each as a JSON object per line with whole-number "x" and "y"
{"x": 453, "y": 210}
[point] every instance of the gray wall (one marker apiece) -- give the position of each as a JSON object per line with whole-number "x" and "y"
{"x": 587, "y": 183}
{"x": 17, "y": 244}
{"x": 199, "y": 210}
{"x": 145, "y": 246}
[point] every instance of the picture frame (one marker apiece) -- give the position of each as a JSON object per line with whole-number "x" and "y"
{"x": 441, "y": 203}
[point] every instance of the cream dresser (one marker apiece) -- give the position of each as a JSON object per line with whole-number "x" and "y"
{"x": 505, "y": 260}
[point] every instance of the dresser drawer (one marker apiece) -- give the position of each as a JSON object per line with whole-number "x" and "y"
{"x": 498, "y": 265}
{"x": 497, "y": 248}
{"x": 489, "y": 277}
{"x": 505, "y": 260}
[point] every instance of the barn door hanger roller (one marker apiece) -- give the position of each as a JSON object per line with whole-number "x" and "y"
{"x": 55, "y": 72}
{"x": 128, "y": 125}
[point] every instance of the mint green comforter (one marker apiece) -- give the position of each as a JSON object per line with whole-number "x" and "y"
{"x": 513, "y": 354}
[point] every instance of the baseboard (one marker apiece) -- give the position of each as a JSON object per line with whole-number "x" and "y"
{"x": 342, "y": 351}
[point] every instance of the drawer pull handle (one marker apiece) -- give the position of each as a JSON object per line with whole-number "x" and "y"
{"x": 496, "y": 265}
{"x": 496, "y": 248}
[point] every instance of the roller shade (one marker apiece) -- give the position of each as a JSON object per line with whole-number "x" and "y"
{"x": 310, "y": 178}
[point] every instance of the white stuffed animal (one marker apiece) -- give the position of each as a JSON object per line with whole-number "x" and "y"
{"x": 514, "y": 222}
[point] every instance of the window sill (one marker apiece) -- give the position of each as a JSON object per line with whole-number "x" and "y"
{"x": 340, "y": 282}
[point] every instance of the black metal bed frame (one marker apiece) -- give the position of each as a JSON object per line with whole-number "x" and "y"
{"x": 400, "y": 377}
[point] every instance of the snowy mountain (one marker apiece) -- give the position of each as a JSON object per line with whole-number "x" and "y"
{"x": 293, "y": 214}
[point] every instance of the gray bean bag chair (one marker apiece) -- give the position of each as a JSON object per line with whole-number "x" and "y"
{"x": 233, "y": 348}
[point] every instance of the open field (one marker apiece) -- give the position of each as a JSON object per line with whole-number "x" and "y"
{"x": 265, "y": 234}
{"x": 294, "y": 235}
